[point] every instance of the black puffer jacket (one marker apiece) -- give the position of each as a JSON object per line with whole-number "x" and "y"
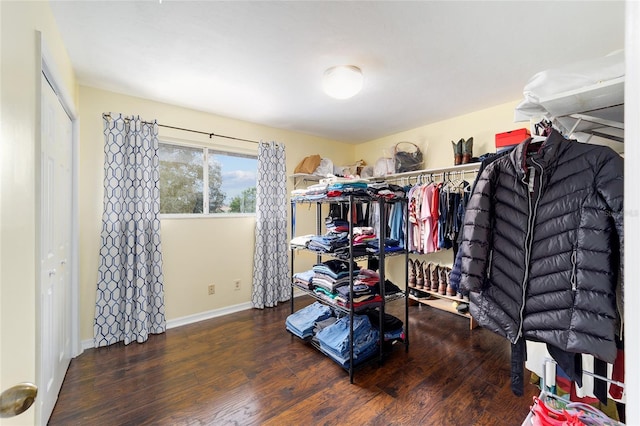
{"x": 542, "y": 246}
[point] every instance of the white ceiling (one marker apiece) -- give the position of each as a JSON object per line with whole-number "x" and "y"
{"x": 262, "y": 61}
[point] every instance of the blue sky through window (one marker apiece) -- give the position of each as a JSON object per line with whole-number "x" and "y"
{"x": 238, "y": 174}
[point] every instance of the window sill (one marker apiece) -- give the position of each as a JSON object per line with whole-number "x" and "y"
{"x": 205, "y": 216}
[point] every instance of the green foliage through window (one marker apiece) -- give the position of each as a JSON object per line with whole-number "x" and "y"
{"x": 245, "y": 202}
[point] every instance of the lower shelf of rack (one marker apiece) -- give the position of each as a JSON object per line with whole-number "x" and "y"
{"x": 376, "y": 355}
{"x": 444, "y": 303}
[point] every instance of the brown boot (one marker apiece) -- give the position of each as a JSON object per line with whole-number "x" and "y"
{"x": 435, "y": 277}
{"x": 419, "y": 274}
{"x": 450, "y": 290}
{"x": 427, "y": 275}
{"x": 412, "y": 273}
{"x": 467, "y": 150}
{"x": 442, "y": 284}
{"x": 457, "y": 152}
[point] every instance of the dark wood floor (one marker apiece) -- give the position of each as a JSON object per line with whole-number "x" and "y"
{"x": 245, "y": 369}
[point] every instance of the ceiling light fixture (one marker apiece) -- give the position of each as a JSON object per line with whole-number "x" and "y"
{"x": 343, "y": 81}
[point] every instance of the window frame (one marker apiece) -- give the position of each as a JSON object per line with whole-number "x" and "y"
{"x": 219, "y": 149}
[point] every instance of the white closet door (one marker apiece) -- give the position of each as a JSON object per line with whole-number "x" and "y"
{"x": 55, "y": 231}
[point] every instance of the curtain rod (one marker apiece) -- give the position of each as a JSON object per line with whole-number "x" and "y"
{"x": 211, "y": 135}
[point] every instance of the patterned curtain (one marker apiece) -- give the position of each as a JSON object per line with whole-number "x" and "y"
{"x": 271, "y": 275}
{"x": 130, "y": 296}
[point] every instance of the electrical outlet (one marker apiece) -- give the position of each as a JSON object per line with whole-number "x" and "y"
{"x": 237, "y": 284}
{"x": 212, "y": 289}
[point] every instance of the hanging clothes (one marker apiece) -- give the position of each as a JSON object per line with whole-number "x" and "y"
{"x": 543, "y": 244}
{"x": 433, "y": 212}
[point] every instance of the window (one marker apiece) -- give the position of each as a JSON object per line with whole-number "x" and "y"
{"x": 185, "y": 172}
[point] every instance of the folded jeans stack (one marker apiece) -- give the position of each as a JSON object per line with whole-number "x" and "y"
{"x": 301, "y": 323}
{"x": 334, "y": 340}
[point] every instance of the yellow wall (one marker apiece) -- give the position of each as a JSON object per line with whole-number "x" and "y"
{"x": 435, "y": 139}
{"x": 20, "y": 94}
{"x": 196, "y": 252}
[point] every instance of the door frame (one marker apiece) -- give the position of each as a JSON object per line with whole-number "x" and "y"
{"x": 631, "y": 208}
{"x": 49, "y": 70}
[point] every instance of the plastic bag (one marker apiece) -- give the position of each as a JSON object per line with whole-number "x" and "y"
{"x": 324, "y": 168}
{"x": 366, "y": 172}
{"x": 350, "y": 169}
{"x": 384, "y": 166}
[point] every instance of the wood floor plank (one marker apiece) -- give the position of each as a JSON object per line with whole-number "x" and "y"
{"x": 246, "y": 369}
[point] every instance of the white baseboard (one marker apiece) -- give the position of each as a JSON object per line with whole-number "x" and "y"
{"x": 190, "y": 319}
{"x": 86, "y": 344}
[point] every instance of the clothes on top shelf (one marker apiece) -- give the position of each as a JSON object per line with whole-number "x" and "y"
{"x": 346, "y": 188}
{"x": 542, "y": 249}
{"x": 366, "y": 214}
{"x": 316, "y": 191}
{"x": 339, "y": 187}
{"x": 331, "y": 187}
{"x": 385, "y": 190}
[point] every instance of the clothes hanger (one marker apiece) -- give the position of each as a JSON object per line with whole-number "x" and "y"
{"x": 541, "y": 130}
{"x": 446, "y": 182}
{"x": 457, "y": 183}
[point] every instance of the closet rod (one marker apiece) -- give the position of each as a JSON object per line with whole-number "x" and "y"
{"x": 211, "y": 135}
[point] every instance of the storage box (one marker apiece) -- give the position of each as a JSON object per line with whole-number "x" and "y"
{"x": 513, "y": 137}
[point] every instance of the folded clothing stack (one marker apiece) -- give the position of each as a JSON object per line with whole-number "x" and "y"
{"x": 334, "y": 340}
{"x": 302, "y": 322}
